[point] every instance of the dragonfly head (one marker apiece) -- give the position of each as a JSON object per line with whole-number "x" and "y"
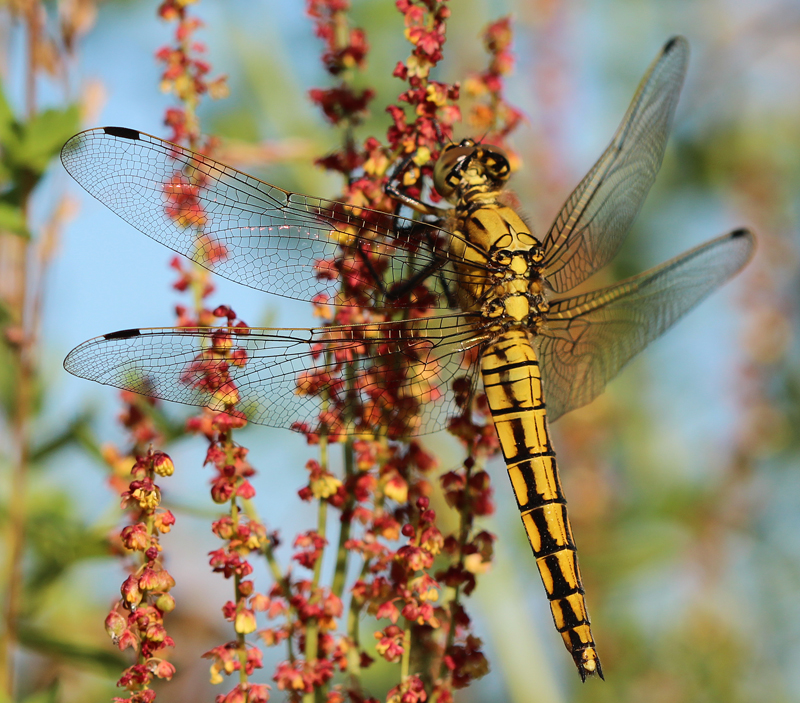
{"x": 484, "y": 164}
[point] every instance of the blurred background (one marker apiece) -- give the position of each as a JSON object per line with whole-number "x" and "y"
{"x": 683, "y": 478}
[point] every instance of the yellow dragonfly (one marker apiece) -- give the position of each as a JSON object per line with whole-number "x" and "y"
{"x": 454, "y": 294}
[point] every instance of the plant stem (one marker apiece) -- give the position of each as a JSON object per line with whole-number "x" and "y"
{"x": 405, "y": 662}
{"x": 342, "y": 553}
{"x": 15, "y": 272}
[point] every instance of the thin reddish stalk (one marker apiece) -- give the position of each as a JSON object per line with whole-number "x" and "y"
{"x": 17, "y": 263}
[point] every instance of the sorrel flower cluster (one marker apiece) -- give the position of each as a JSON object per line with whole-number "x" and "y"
{"x": 137, "y": 620}
{"x": 145, "y": 592}
{"x": 386, "y": 493}
{"x": 366, "y": 168}
{"x": 491, "y": 114}
{"x": 185, "y": 74}
{"x": 413, "y": 574}
{"x": 241, "y": 534}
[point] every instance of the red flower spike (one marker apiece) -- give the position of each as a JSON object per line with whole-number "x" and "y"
{"x": 392, "y": 579}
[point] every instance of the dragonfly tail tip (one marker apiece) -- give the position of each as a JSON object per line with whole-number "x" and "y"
{"x": 588, "y": 663}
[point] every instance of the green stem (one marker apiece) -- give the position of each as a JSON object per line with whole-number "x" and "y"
{"x": 342, "y": 553}
{"x": 17, "y": 253}
{"x": 237, "y": 596}
{"x": 353, "y": 616}
{"x": 322, "y": 515}
{"x": 312, "y": 634}
{"x": 241, "y": 641}
{"x": 405, "y": 662}
{"x": 286, "y": 589}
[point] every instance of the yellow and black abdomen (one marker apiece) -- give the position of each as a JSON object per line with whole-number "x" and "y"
{"x": 513, "y": 387}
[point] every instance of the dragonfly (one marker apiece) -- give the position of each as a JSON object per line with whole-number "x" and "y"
{"x": 467, "y": 291}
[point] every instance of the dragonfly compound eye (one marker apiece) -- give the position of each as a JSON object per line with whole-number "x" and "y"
{"x": 452, "y": 162}
{"x": 456, "y": 159}
{"x": 495, "y": 164}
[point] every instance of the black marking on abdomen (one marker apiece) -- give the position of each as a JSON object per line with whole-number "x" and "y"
{"x": 553, "y": 529}
{"x": 561, "y": 587}
{"x": 511, "y": 367}
{"x": 516, "y": 409}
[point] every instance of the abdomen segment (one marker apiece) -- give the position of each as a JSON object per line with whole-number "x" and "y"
{"x": 513, "y": 387}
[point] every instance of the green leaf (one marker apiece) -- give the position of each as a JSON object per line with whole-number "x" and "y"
{"x": 47, "y": 695}
{"x": 58, "y": 540}
{"x": 72, "y": 434}
{"x": 83, "y": 655}
{"x": 12, "y": 219}
{"x": 6, "y": 116}
{"x": 41, "y": 138}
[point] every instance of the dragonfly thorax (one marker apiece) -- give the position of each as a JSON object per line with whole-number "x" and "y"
{"x": 517, "y": 292}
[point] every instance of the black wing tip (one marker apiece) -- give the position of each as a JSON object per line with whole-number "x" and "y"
{"x": 672, "y": 42}
{"x": 76, "y": 141}
{"x": 747, "y": 239}
{"x": 123, "y": 334}
{"x": 123, "y": 132}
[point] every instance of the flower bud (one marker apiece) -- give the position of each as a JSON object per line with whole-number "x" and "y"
{"x": 115, "y": 625}
{"x": 396, "y": 489}
{"x": 245, "y": 621}
{"x": 135, "y": 537}
{"x": 161, "y": 669}
{"x": 162, "y": 464}
{"x": 164, "y": 521}
{"x": 130, "y": 591}
{"x": 165, "y": 603}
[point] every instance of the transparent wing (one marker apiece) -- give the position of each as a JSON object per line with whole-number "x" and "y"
{"x": 245, "y": 229}
{"x": 589, "y": 338}
{"x": 597, "y": 215}
{"x": 275, "y": 376}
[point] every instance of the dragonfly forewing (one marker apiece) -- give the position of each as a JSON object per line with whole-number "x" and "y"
{"x": 593, "y": 222}
{"x": 249, "y": 231}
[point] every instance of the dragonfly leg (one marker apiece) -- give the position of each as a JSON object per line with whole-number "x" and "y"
{"x": 402, "y": 288}
{"x": 405, "y": 287}
{"x": 393, "y": 189}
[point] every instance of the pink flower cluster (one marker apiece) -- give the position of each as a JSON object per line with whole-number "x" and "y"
{"x": 137, "y": 620}
{"x": 491, "y": 114}
{"x": 185, "y": 75}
